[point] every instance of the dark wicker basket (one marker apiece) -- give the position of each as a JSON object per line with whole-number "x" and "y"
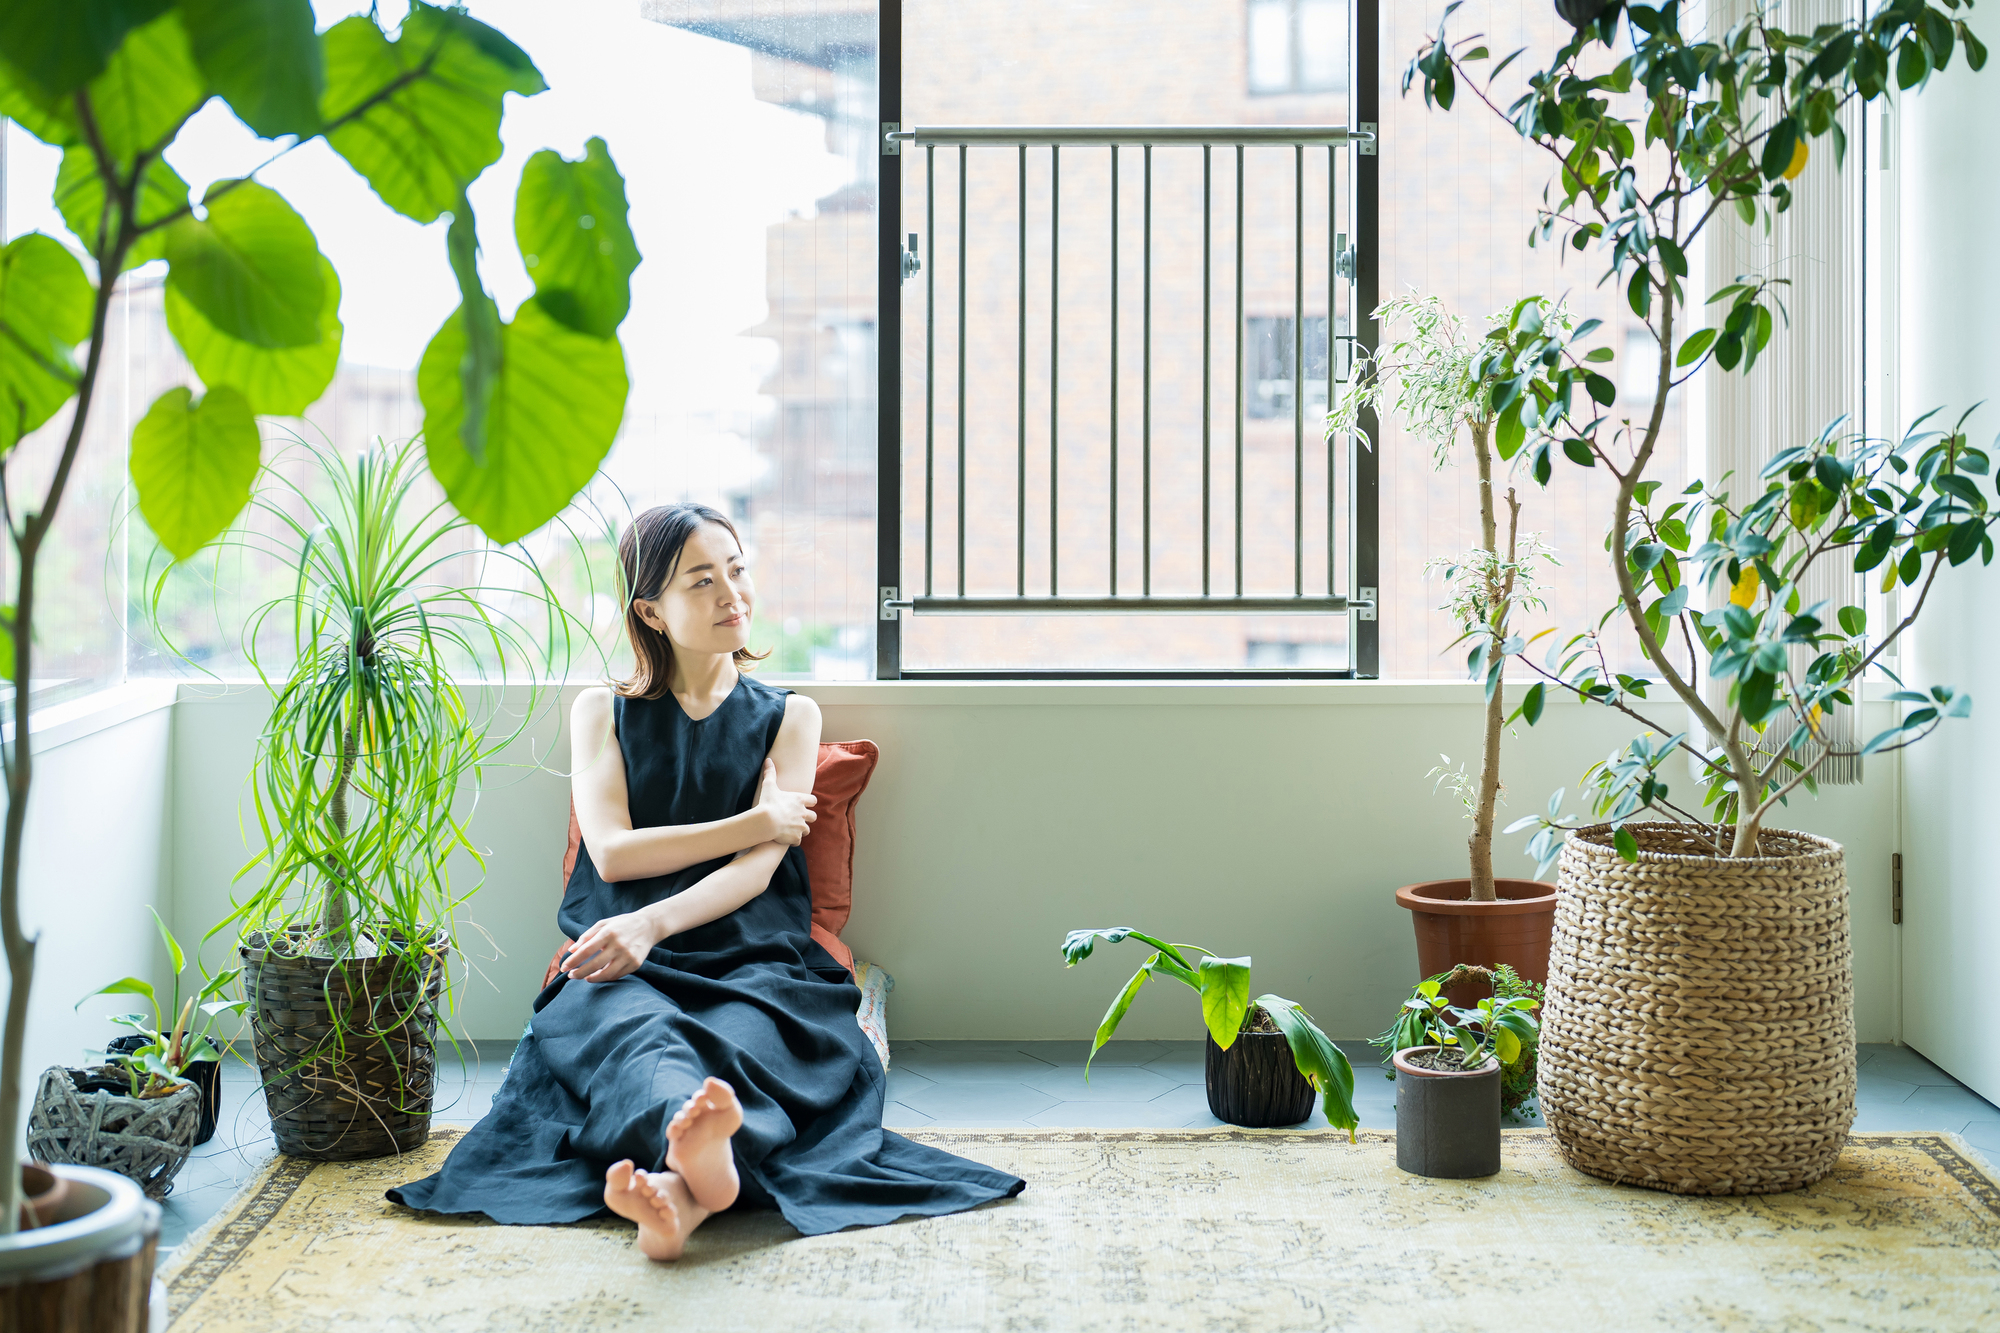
{"x": 347, "y": 1048}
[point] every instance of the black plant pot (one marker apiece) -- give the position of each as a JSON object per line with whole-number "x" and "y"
{"x": 1256, "y": 1083}
{"x": 1576, "y": 13}
{"x": 206, "y": 1075}
{"x": 1447, "y": 1123}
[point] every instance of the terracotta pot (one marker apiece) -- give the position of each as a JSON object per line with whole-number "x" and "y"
{"x": 1447, "y": 1121}
{"x": 42, "y": 1192}
{"x": 1452, "y": 929}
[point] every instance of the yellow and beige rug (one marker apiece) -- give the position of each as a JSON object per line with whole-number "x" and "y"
{"x": 1263, "y": 1232}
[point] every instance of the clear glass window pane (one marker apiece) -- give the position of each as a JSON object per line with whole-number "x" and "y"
{"x": 1270, "y": 46}
{"x": 1322, "y": 46}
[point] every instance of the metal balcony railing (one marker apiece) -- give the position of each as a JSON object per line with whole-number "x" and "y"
{"x": 1221, "y": 592}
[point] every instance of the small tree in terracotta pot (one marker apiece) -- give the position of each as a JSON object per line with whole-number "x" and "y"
{"x": 1440, "y": 379}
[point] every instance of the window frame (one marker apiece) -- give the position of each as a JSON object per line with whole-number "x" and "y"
{"x": 1364, "y": 523}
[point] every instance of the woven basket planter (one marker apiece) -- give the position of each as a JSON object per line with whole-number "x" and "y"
{"x": 347, "y": 1049}
{"x": 144, "y": 1139}
{"x": 1698, "y": 1033}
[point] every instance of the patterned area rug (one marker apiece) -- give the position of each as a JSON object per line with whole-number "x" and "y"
{"x": 1264, "y": 1232}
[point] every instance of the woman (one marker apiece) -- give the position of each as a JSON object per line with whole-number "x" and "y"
{"x": 698, "y": 1048}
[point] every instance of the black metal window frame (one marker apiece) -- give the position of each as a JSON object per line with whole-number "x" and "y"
{"x": 1364, "y": 490}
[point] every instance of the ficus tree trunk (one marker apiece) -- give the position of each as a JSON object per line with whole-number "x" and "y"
{"x": 1497, "y": 589}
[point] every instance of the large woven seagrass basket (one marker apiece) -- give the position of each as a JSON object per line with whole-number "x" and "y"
{"x": 1698, "y": 1032}
{"x": 347, "y": 1048}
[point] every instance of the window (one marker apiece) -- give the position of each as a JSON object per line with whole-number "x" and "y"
{"x": 1296, "y": 46}
{"x": 1268, "y": 342}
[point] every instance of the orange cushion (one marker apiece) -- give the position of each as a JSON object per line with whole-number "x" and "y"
{"x": 840, "y": 778}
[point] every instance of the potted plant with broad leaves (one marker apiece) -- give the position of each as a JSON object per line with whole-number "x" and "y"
{"x": 153, "y": 1099}
{"x": 254, "y": 306}
{"x": 1440, "y": 378}
{"x": 1265, "y": 1062}
{"x": 1450, "y": 1064}
{"x": 1517, "y": 1075}
{"x": 1710, "y": 587}
{"x": 403, "y": 659}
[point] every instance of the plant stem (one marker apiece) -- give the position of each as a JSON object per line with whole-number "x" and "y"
{"x": 20, "y": 948}
{"x": 1481, "y": 842}
{"x": 334, "y": 925}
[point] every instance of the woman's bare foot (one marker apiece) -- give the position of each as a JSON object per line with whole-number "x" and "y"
{"x": 659, "y": 1202}
{"x": 698, "y": 1144}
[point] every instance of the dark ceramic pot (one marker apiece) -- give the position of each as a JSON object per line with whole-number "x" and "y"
{"x": 1256, "y": 1083}
{"x": 206, "y": 1075}
{"x": 1447, "y": 1121}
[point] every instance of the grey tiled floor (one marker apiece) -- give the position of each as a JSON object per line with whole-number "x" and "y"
{"x": 1036, "y": 1084}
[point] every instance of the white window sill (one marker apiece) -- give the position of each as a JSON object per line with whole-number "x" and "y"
{"x": 74, "y": 719}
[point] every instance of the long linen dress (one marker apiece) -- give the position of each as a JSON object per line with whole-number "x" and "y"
{"x": 749, "y": 998}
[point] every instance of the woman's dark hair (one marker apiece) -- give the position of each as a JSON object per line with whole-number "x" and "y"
{"x": 649, "y": 551}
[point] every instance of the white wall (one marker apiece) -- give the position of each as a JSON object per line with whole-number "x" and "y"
{"x": 1269, "y": 819}
{"x": 1950, "y": 355}
{"x": 94, "y": 859}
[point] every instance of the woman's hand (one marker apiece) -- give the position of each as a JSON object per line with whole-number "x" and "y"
{"x": 787, "y": 815}
{"x": 612, "y": 948}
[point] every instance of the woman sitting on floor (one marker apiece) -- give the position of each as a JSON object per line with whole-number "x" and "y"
{"x": 698, "y": 1047}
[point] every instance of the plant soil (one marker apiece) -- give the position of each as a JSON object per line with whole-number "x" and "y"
{"x": 1256, "y": 1020}
{"x": 1445, "y": 1062}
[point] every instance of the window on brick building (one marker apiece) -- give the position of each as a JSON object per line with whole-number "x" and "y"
{"x": 1295, "y": 46}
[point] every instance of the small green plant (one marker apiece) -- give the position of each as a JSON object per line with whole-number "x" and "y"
{"x": 160, "y": 1066}
{"x": 1224, "y": 987}
{"x": 1502, "y": 1025}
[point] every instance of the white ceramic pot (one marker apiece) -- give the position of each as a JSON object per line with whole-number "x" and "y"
{"x": 104, "y": 1231}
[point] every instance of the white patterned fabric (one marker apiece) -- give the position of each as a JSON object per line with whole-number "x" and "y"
{"x": 874, "y": 1012}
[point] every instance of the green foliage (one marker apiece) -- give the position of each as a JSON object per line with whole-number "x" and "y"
{"x": 252, "y": 267}
{"x": 1224, "y": 987}
{"x": 276, "y": 381}
{"x": 86, "y": 208}
{"x": 555, "y": 412}
{"x": 263, "y": 58}
{"x": 570, "y": 222}
{"x": 161, "y": 1064}
{"x": 192, "y": 464}
{"x": 45, "y": 310}
{"x": 401, "y": 644}
{"x": 1684, "y": 129}
{"x": 1502, "y": 1026}
{"x": 419, "y": 116}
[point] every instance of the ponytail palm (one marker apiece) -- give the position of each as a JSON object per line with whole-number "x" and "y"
{"x": 404, "y": 656}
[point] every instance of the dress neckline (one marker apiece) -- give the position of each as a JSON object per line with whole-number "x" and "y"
{"x": 697, "y": 721}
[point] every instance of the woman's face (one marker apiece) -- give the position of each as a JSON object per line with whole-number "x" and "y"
{"x": 705, "y": 607}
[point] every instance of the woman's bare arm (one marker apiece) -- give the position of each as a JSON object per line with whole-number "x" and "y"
{"x": 617, "y": 945}
{"x": 620, "y": 852}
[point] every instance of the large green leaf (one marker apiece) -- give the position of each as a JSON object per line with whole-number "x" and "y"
{"x": 59, "y": 47}
{"x": 80, "y": 197}
{"x": 570, "y": 222}
{"x": 45, "y": 311}
{"x": 419, "y": 117}
{"x": 1116, "y": 1013}
{"x": 1225, "y": 997}
{"x": 555, "y": 413}
{"x": 263, "y": 57}
{"x": 50, "y": 119}
{"x": 149, "y": 87}
{"x": 252, "y": 267}
{"x": 1324, "y": 1064}
{"x": 192, "y": 464}
{"x": 278, "y": 381}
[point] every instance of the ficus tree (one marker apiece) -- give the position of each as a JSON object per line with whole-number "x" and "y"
{"x": 1438, "y": 377}
{"x": 1655, "y": 134}
{"x": 518, "y": 413}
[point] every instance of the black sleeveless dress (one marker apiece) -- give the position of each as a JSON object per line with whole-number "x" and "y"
{"x": 749, "y": 998}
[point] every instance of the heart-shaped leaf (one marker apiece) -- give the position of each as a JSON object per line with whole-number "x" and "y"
{"x": 252, "y": 268}
{"x": 263, "y": 57}
{"x": 45, "y": 311}
{"x": 570, "y": 222}
{"x": 80, "y": 195}
{"x": 57, "y": 48}
{"x": 148, "y": 88}
{"x": 1225, "y": 997}
{"x": 555, "y": 412}
{"x": 277, "y": 381}
{"x": 192, "y": 464}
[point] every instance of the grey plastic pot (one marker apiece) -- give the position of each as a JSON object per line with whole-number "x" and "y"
{"x": 1447, "y": 1122}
